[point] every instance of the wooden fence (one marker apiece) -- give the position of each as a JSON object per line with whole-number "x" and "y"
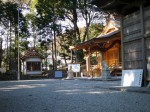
{"x": 136, "y": 40}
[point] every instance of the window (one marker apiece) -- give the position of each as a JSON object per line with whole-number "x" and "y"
{"x": 33, "y": 66}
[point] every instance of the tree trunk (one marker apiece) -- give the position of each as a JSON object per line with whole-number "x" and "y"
{"x": 10, "y": 56}
{"x": 1, "y": 52}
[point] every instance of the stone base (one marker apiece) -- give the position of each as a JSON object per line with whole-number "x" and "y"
{"x": 70, "y": 75}
{"x": 70, "y": 78}
{"x": 106, "y": 74}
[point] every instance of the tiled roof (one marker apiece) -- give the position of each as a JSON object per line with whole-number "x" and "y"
{"x": 32, "y": 54}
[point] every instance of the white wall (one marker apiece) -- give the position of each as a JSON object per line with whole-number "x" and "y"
{"x": 34, "y": 72}
{"x": 33, "y": 59}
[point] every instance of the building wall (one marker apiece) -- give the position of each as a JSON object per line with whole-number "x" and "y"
{"x": 33, "y": 59}
{"x": 112, "y": 56}
{"x": 136, "y": 40}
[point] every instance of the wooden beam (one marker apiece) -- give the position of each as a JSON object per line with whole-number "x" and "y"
{"x": 143, "y": 45}
{"x": 122, "y": 43}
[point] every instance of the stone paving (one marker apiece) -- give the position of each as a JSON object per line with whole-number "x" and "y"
{"x": 54, "y": 95}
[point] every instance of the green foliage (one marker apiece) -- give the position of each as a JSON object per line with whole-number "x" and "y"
{"x": 8, "y": 75}
{"x": 9, "y": 14}
{"x": 65, "y": 41}
{"x": 49, "y": 11}
{"x": 11, "y": 72}
{"x": 24, "y": 45}
{"x": 46, "y": 22}
{"x": 33, "y": 4}
{"x": 95, "y": 30}
{"x": 80, "y": 56}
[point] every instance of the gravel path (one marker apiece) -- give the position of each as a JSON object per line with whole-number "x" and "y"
{"x": 68, "y": 96}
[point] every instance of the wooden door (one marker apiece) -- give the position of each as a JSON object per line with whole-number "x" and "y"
{"x": 112, "y": 56}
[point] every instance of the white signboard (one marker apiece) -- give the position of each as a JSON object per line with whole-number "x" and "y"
{"x": 132, "y": 77}
{"x": 58, "y": 74}
{"x": 75, "y": 67}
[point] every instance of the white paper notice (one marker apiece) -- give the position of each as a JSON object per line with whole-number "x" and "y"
{"x": 132, "y": 77}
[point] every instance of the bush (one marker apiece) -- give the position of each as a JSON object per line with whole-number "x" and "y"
{"x": 11, "y": 72}
{"x": 8, "y": 75}
{"x": 1, "y": 73}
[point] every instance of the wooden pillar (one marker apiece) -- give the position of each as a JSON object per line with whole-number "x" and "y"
{"x": 122, "y": 45}
{"x": 41, "y": 64}
{"x": 25, "y": 67}
{"x": 22, "y": 68}
{"x": 71, "y": 56}
{"x": 102, "y": 52}
{"x": 88, "y": 64}
{"x": 99, "y": 60}
{"x": 143, "y": 45}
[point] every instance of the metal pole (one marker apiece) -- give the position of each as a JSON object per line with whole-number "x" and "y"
{"x": 55, "y": 48}
{"x": 18, "y": 77}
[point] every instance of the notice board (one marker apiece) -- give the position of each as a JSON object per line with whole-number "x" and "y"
{"x": 75, "y": 67}
{"x": 132, "y": 78}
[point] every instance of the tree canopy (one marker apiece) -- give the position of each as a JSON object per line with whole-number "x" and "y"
{"x": 46, "y": 21}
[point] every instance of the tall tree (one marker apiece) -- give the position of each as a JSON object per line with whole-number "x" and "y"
{"x": 49, "y": 13}
{"x": 90, "y": 14}
{"x": 71, "y": 13}
{"x": 9, "y": 19}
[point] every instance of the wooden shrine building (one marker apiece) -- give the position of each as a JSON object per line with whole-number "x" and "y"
{"x": 135, "y": 32}
{"x": 32, "y": 63}
{"x": 106, "y": 46}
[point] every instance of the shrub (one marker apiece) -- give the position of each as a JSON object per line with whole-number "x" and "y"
{"x": 11, "y": 72}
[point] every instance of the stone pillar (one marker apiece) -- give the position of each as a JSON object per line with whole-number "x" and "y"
{"x": 70, "y": 73}
{"x": 105, "y": 70}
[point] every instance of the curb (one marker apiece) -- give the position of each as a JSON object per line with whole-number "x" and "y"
{"x": 101, "y": 79}
{"x": 137, "y": 90}
{"x": 127, "y": 89}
